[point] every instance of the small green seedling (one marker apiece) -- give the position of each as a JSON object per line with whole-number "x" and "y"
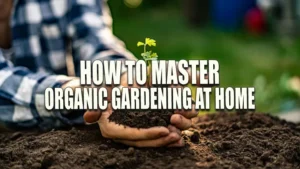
{"x": 148, "y": 56}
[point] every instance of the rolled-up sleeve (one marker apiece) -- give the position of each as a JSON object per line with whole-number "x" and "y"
{"x": 22, "y": 97}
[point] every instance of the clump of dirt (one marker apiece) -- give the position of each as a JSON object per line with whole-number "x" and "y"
{"x": 219, "y": 140}
{"x": 141, "y": 119}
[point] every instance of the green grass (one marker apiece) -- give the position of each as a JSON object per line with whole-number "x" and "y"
{"x": 242, "y": 57}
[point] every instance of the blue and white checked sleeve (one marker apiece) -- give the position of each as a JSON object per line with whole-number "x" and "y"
{"x": 89, "y": 28}
{"x": 88, "y": 25}
{"x": 22, "y": 97}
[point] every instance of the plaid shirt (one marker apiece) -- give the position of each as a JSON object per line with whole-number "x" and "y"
{"x": 42, "y": 31}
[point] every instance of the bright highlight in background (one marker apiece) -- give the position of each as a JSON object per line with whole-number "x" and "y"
{"x": 133, "y": 3}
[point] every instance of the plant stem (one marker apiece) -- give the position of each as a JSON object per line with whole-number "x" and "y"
{"x": 149, "y": 66}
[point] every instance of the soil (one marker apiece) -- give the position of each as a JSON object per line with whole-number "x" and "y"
{"x": 141, "y": 119}
{"x": 220, "y": 140}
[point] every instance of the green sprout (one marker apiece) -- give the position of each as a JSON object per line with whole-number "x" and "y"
{"x": 148, "y": 56}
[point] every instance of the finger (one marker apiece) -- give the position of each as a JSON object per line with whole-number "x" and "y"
{"x": 91, "y": 116}
{"x": 188, "y": 113}
{"x": 179, "y": 143}
{"x": 160, "y": 142}
{"x": 128, "y": 133}
{"x": 181, "y": 122}
{"x": 174, "y": 130}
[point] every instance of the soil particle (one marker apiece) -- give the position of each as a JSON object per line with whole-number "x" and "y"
{"x": 130, "y": 151}
{"x": 236, "y": 126}
{"x": 36, "y": 165}
{"x": 17, "y": 167}
{"x": 110, "y": 163}
{"x": 236, "y": 141}
{"x": 73, "y": 131}
{"x": 103, "y": 147}
{"x": 15, "y": 136}
{"x": 209, "y": 158}
{"x": 182, "y": 155}
{"x": 47, "y": 161}
{"x": 298, "y": 128}
{"x": 266, "y": 156}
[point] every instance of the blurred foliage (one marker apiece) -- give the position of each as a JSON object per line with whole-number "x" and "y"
{"x": 267, "y": 62}
{"x": 282, "y": 95}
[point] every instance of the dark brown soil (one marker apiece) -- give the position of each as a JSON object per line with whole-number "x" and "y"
{"x": 141, "y": 119}
{"x": 215, "y": 141}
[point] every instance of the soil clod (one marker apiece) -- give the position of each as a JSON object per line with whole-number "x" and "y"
{"x": 130, "y": 151}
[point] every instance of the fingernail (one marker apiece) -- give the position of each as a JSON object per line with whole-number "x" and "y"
{"x": 87, "y": 123}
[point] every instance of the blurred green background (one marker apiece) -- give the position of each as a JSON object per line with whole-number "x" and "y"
{"x": 267, "y": 62}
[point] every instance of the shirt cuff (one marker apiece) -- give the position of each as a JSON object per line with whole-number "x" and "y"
{"x": 39, "y": 101}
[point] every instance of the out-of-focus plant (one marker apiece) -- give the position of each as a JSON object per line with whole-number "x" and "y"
{"x": 277, "y": 96}
{"x": 294, "y": 85}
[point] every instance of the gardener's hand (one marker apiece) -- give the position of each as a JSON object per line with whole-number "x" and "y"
{"x": 182, "y": 119}
{"x": 152, "y": 137}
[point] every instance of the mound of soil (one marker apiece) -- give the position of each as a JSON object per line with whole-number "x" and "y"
{"x": 220, "y": 140}
{"x": 141, "y": 119}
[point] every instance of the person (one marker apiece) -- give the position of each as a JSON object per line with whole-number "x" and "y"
{"x": 35, "y": 39}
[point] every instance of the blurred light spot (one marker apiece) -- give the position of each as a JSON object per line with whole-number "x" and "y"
{"x": 265, "y": 4}
{"x": 133, "y": 3}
